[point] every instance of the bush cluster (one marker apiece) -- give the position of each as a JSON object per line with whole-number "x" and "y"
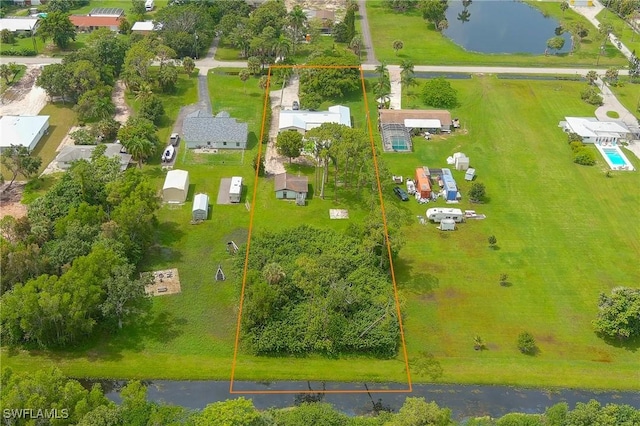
{"x": 581, "y": 154}
{"x": 311, "y": 290}
{"x": 18, "y": 52}
{"x": 590, "y": 95}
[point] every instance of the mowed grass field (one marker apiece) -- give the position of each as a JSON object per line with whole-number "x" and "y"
{"x": 424, "y": 45}
{"x": 565, "y": 233}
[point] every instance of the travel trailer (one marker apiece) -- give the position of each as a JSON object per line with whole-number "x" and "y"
{"x": 437, "y": 214}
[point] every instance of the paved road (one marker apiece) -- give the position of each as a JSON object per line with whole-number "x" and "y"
{"x": 366, "y": 34}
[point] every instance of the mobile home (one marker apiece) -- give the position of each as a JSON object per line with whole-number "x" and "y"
{"x": 149, "y": 5}
{"x": 423, "y": 182}
{"x": 438, "y": 214}
{"x": 235, "y": 190}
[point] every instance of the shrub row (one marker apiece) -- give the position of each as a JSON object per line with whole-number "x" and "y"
{"x": 18, "y": 52}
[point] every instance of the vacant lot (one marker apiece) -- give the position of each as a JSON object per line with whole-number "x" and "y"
{"x": 565, "y": 233}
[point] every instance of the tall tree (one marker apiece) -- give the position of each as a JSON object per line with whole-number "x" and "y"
{"x": 18, "y": 160}
{"x": 58, "y": 27}
{"x": 438, "y": 93}
{"x": 289, "y": 144}
{"x": 124, "y": 294}
{"x": 564, "y": 6}
{"x": 619, "y": 314}
{"x": 297, "y": 20}
{"x": 357, "y": 44}
{"x": 434, "y": 10}
{"x": 244, "y": 76}
{"x": 188, "y": 64}
{"x": 139, "y": 137}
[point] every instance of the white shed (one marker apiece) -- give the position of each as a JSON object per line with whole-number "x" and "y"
{"x": 470, "y": 174}
{"x": 235, "y": 190}
{"x": 462, "y": 162}
{"x": 200, "y": 207}
{"x": 447, "y": 225}
{"x": 176, "y": 187}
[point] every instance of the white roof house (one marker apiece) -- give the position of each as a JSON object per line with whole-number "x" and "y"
{"x": 145, "y": 26}
{"x": 18, "y": 24}
{"x": 176, "y": 187}
{"x": 23, "y": 130}
{"x": 302, "y": 120}
{"x": 593, "y": 131}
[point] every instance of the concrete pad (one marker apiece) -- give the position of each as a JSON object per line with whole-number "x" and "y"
{"x": 223, "y": 192}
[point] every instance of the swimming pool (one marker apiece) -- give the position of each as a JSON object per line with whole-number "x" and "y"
{"x": 615, "y": 158}
{"x": 399, "y": 144}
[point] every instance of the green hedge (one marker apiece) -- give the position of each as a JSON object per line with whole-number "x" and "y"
{"x": 18, "y": 52}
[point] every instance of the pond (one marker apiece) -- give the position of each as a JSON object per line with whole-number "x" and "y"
{"x": 494, "y": 26}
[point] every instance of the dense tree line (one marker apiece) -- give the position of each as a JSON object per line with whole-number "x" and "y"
{"x": 623, "y": 8}
{"x": 75, "y": 405}
{"x": 320, "y": 84}
{"x": 311, "y": 290}
{"x": 69, "y": 265}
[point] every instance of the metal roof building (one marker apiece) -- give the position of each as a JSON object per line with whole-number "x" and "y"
{"x": 176, "y": 187}
{"x": 303, "y": 120}
{"x": 23, "y": 130}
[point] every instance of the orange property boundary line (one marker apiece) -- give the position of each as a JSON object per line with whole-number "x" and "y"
{"x": 384, "y": 221}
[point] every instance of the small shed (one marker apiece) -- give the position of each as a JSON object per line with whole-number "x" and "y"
{"x": 470, "y": 174}
{"x": 200, "y": 207}
{"x": 176, "y": 187}
{"x": 462, "y": 162}
{"x": 447, "y": 225}
{"x": 235, "y": 190}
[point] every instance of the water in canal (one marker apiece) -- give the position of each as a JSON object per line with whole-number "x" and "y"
{"x": 464, "y": 400}
{"x": 497, "y": 26}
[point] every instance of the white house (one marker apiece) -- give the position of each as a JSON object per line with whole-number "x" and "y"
{"x": 71, "y": 153}
{"x": 18, "y": 24}
{"x": 176, "y": 187}
{"x": 145, "y": 27}
{"x": 593, "y": 131}
{"x": 303, "y": 120}
{"x": 23, "y": 130}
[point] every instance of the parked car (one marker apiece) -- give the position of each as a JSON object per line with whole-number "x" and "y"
{"x": 296, "y": 105}
{"x": 401, "y": 193}
{"x": 174, "y": 139}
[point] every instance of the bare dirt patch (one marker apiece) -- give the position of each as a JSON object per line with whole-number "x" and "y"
{"x": 10, "y": 204}
{"x": 123, "y": 111}
{"x": 24, "y": 98}
{"x": 164, "y": 282}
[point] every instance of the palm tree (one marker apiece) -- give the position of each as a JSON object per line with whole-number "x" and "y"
{"x": 443, "y": 25}
{"x": 478, "y": 344}
{"x": 591, "y": 77}
{"x": 397, "y": 45}
{"x": 282, "y": 46}
{"x": 406, "y": 67}
{"x": 244, "y": 76}
{"x": 140, "y": 148}
{"x": 382, "y": 88}
{"x": 382, "y": 69}
{"x": 464, "y": 16}
{"x": 262, "y": 83}
{"x": 273, "y": 273}
{"x": 297, "y": 19}
{"x": 356, "y": 44}
{"x": 564, "y": 6}
{"x": 145, "y": 90}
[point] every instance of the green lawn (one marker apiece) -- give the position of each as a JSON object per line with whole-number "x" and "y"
{"x": 565, "y": 233}
{"x": 3, "y": 83}
{"x": 621, "y": 29}
{"x": 628, "y": 94}
{"x": 426, "y": 46}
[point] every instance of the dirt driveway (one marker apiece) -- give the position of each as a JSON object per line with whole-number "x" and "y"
{"x": 24, "y": 98}
{"x": 280, "y": 99}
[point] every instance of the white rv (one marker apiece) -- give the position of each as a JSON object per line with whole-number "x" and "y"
{"x": 235, "y": 190}
{"x": 149, "y": 5}
{"x": 437, "y": 214}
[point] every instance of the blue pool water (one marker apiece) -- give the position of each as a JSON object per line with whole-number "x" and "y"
{"x": 615, "y": 157}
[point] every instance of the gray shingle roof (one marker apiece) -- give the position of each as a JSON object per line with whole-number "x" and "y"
{"x": 201, "y": 127}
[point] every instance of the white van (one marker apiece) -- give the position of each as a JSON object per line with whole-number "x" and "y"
{"x": 149, "y": 5}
